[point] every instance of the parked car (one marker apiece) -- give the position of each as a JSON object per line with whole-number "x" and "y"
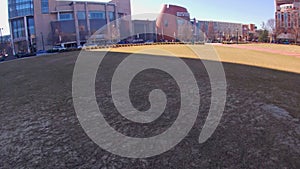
{"x": 89, "y": 45}
{"x": 149, "y": 42}
{"x": 59, "y": 48}
{"x": 24, "y": 54}
{"x": 138, "y": 41}
{"x": 2, "y": 57}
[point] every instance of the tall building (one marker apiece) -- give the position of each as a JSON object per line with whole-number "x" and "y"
{"x": 41, "y": 24}
{"x": 173, "y": 23}
{"x": 21, "y": 23}
{"x": 287, "y": 19}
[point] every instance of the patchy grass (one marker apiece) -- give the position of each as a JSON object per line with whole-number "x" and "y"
{"x": 281, "y": 47}
{"x": 226, "y": 54}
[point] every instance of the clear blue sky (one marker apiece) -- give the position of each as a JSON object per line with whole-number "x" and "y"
{"x": 252, "y": 11}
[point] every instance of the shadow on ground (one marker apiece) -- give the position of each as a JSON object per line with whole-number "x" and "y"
{"x": 260, "y": 127}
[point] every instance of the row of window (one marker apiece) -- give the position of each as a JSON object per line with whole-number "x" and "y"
{"x": 45, "y": 6}
{"x": 20, "y": 8}
{"x": 18, "y": 27}
{"x": 81, "y": 15}
{"x": 22, "y": 12}
{"x": 288, "y": 19}
{"x": 10, "y": 2}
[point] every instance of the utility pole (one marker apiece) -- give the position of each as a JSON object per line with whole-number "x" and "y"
{"x": 1, "y": 29}
{"x": 43, "y": 40}
{"x": 237, "y": 36}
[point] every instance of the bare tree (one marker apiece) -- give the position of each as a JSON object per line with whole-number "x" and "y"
{"x": 263, "y": 26}
{"x": 295, "y": 26}
{"x": 271, "y": 27}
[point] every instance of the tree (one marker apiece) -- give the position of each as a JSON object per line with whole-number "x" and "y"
{"x": 271, "y": 27}
{"x": 263, "y": 35}
{"x": 295, "y": 26}
{"x": 264, "y": 26}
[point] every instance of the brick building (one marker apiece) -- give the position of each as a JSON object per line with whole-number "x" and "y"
{"x": 144, "y": 29}
{"x": 287, "y": 19}
{"x": 173, "y": 23}
{"x": 40, "y": 24}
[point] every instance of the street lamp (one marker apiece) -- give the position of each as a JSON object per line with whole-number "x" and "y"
{"x": 1, "y": 29}
{"x": 237, "y": 36}
{"x": 43, "y": 41}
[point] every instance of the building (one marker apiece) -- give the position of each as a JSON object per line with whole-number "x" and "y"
{"x": 41, "y": 24}
{"x": 215, "y": 30}
{"x": 144, "y": 29}
{"x": 287, "y": 18}
{"x": 248, "y": 32}
{"x": 5, "y": 45}
{"x": 173, "y": 23}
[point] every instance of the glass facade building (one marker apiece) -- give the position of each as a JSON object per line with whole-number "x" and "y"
{"x": 19, "y": 8}
{"x": 41, "y": 24}
{"x": 287, "y": 19}
{"x": 21, "y": 17}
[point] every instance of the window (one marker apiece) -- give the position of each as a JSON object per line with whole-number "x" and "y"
{"x": 285, "y": 19}
{"x": 97, "y": 15}
{"x": 18, "y": 8}
{"x": 45, "y": 6}
{"x": 111, "y": 16}
{"x": 180, "y": 22}
{"x": 18, "y": 28}
{"x": 166, "y": 23}
{"x": 65, "y": 16}
{"x": 81, "y": 15}
{"x": 30, "y": 24}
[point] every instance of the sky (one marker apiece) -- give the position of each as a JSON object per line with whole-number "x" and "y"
{"x": 240, "y": 11}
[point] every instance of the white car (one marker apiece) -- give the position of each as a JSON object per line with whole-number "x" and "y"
{"x": 90, "y": 45}
{"x": 59, "y": 48}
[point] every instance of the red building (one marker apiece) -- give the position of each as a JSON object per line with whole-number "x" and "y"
{"x": 287, "y": 18}
{"x": 172, "y": 23}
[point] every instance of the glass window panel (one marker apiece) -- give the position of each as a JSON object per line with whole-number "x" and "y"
{"x": 81, "y": 15}
{"x": 97, "y": 15}
{"x": 65, "y": 16}
{"x": 45, "y": 6}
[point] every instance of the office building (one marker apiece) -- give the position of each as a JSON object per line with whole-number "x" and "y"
{"x": 173, "y": 23}
{"x": 287, "y": 19}
{"x": 41, "y": 24}
{"x": 214, "y": 30}
{"x": 144, "y": 29}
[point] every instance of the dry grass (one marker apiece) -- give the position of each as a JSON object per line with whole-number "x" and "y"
{"x": 225, "y": 54}
{"x": 286, "y": 48}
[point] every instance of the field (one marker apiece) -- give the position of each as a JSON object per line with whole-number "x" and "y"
{"x": 260, "y": 126}
{"x": 230, "y": 54}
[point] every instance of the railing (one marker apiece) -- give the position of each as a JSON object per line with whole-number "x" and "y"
{"x": 141, "y": 44}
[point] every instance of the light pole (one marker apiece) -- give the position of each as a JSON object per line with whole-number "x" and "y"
{"x": 237, "y": 36}
{"x": 1, "y": 29}
{"x": 43, "y": 41}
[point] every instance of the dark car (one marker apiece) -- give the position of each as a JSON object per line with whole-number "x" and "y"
{"x": 24, "y": 54}
{"x": 3, "y": 56}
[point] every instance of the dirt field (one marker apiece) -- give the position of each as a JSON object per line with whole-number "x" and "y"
{"x": 260, "y": 127}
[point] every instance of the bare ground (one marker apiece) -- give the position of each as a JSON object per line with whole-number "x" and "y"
{"x": 260, "y": 127}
